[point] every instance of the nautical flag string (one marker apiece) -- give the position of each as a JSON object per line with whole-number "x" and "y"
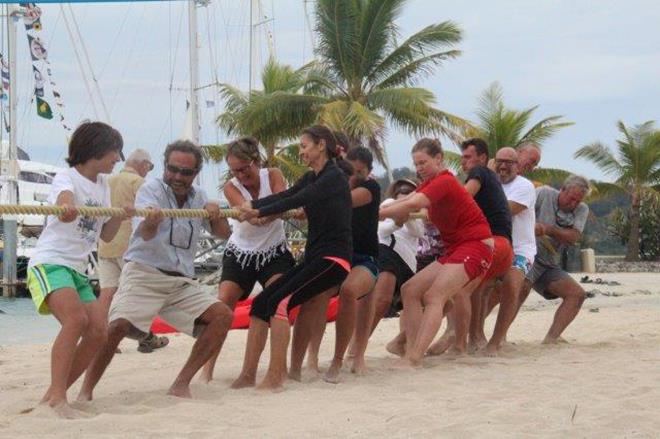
{"x": 41, "y": 67}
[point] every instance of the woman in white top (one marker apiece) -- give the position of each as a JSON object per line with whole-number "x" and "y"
{"x": 257, "y": 249}
{"x": 397, "y": 252}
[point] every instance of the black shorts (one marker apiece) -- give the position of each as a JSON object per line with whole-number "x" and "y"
{"x": 247, "y": 276}
{"x": 368, "y": 262}
{"x": 390, "y": 261}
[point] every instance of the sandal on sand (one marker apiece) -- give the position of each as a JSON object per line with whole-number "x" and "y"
{"x": 151, "y": 342}
{"x": 585, "y": 280}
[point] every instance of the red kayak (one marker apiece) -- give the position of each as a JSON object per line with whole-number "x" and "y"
{"x": 242, "y": 317}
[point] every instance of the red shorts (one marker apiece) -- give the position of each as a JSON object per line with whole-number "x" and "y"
{"x": 502, "y": 258}
{"x": 475, "y": 256}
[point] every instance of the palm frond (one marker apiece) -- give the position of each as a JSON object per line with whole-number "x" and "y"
{"x": 601, "y": 156}
{"x": 422, "y": 44}
{"x": 377, "y": 26}
{"x": 214, "y": 153}
{"x": 549, "y": 176}
{"x": 338, "y": 39}
{"x": 415, "y": 70}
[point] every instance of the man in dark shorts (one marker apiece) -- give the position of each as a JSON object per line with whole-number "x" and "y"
{"x": 560, "y": 219}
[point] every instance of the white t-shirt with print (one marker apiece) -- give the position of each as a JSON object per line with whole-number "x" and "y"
{"x": 521, "y": 191}
{"x": 70, "y": 244}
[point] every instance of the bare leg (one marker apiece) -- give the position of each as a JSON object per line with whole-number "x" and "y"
{"x": 382, "y": 296}
{"x": 411, "y": 294}
{"x": 447, "y": 339}
{"x": 279, "y": 342}
{"x": 309, "y": 324}
{"x": 479, "y": 301}
{"x": 228, "y": 293}
{"x": 461, "y": 313}
{"x": 69, "y": 311}
{"x": 451, "y": 280}
{"x": 362, "y": 332}
{"x": 217, "y": 321}
{"x": 117, "y": 330}
{"x": 573, "y": 297}
{"x": 358, "y": 282}
{"x": 508, "y": 293}
{"x": 256, "y": 341}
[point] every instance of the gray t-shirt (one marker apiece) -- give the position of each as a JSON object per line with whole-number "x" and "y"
{"x": 547, "y": 211}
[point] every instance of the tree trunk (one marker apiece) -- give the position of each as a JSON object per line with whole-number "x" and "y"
{"x": 270, "y": 156}
{"x": 632, "y": 255}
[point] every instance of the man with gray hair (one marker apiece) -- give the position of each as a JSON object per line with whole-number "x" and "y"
{"x": 529, "y": 156}
{"x": 123, "y": 188}
{"x": 560, "y": 219}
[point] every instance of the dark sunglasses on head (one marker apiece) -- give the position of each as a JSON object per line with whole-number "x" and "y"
{"x": 186, "y": 172}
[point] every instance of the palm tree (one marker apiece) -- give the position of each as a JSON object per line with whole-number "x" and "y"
{"x": 361, "y": 81}
{"x": 501, "y": 126}
{"x": 281, "y": 102}
{"x": 368, "y": 78}
{"x": 636, "y": 169}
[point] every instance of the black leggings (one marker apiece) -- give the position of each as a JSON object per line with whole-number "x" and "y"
{"x": 302, "y": 282}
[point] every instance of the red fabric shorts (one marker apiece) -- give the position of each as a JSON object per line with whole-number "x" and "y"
{"x": 502, "y": 258}
{"x": 475, "y": 256}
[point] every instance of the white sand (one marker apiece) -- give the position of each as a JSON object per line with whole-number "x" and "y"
{"x": 605, "y": 383}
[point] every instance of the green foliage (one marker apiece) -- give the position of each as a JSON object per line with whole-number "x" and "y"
{"x": 501, "y": 126}
{"x": 649, "y": 225}
{"x": 636, "y": 170}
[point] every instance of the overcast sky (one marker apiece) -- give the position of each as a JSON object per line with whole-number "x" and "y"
{"x": 594, "y": 62}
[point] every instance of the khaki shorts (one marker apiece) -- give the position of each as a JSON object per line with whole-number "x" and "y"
{"x": 109, "y": 271}
{"x": 145, "y": 292}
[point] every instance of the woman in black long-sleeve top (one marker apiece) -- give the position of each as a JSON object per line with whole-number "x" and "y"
{"x": 324, "y": 195}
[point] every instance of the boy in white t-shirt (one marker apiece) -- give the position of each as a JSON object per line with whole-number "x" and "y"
{"x": 56, "y": 278}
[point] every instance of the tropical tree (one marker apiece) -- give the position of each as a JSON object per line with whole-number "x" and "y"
{"x": 501, "y": 126}
{"x": 362, "y": 80}
{"x": 279, "y": 83}
{"x": 635, "y": 167}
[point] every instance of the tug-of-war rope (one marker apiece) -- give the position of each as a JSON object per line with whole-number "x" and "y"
{"x": 9, "y": 209}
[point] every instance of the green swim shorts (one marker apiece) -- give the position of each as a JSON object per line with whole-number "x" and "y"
{"x": 45, "y": 279}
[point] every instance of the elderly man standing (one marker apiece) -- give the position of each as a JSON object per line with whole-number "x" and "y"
{"x": 560, "y": 219}
{"x": 157, "y": 276}
{"x": 123, "y": 188}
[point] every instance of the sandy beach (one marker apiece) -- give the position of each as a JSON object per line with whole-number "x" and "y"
{"x": 604, "y": 383}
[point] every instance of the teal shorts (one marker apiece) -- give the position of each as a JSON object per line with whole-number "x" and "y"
{"x": 45, "y": 279}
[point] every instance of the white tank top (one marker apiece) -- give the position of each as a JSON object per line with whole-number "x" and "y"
{"x": 256, "y": 244}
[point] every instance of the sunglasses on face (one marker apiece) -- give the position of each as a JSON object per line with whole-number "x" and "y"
{"x": 405, "y": 191}
{"x": 186, "y": 172}
{"x": 505, "y": 162}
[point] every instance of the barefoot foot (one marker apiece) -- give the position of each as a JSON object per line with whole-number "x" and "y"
{"x": 332, "y": 375}
{"x": 272, "y": 382}
{"x": 396, "y": 347}
{"x": 440, "y": 346}
{"x": 180, "y": 391}
{"x": 244, "y": 381}
{"x": 359, "y": 367}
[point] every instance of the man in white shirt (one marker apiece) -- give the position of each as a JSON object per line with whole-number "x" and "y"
{"x": 522, "y": 197}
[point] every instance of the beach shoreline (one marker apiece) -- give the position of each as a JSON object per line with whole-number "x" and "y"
{"x": 603, "y": 383}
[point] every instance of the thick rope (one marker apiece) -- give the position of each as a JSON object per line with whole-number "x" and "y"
{"x": 117, "y": 211}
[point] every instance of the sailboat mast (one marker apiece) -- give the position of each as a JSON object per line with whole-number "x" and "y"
{"x": 11, "y": 185}
{"x": 194, "y": 68}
